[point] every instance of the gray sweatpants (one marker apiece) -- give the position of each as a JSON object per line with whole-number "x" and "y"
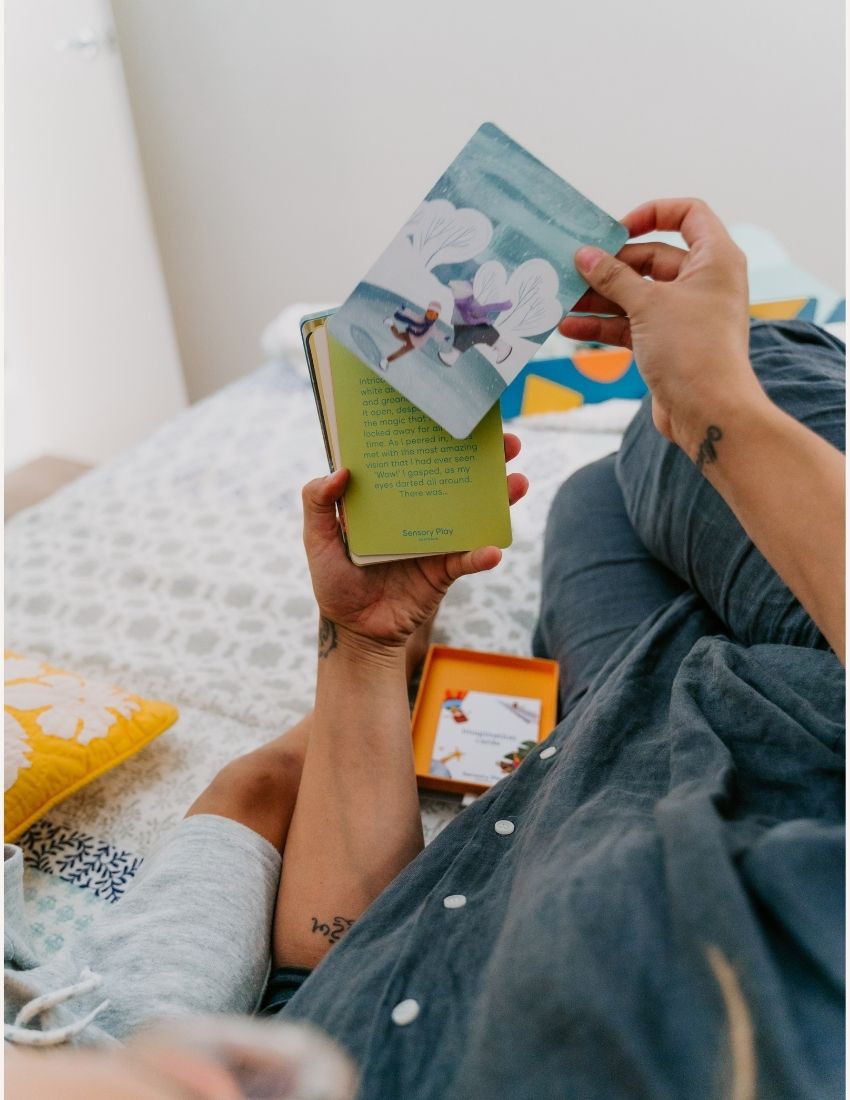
{"x": 191, "y": 935}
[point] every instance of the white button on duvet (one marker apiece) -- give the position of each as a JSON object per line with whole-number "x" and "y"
{"x": 548, "y": 752}
{"x": 455, "y": 901}
{"x": 504, "y": 828}
{"x": 405, "y": 1012}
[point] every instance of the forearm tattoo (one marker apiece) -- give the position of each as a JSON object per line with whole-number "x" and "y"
{"x": 334, "y": 931}
{"x": 707, "y": 452}
{"x": 327, "y": 637}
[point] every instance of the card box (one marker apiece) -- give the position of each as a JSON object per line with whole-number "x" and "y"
{"x": 448, "y": 669}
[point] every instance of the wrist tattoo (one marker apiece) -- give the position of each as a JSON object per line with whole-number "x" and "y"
{"x": 707, "y": 452}
{"x": 327, "y": 636}
{"x": 334, "y": 931}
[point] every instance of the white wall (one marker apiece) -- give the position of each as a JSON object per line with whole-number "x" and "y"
{"x": 283, "y": 143}
{"x": 92, "y": 363}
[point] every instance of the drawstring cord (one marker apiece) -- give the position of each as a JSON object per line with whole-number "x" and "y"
{"x": 19, "y": 1033}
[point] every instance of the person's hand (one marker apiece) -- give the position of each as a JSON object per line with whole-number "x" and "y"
{"x": 383, "y": 603}
{"x": 688, "y": 323}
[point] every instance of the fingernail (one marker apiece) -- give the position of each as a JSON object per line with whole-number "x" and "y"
{"x": 588, "y": 257}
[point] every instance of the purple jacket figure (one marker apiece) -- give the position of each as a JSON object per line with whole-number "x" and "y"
{"x": 473, "y": 324}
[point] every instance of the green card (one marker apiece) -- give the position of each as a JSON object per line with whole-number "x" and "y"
{"x": 414, "y": 488}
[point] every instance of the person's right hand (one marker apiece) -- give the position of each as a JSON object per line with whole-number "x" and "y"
{"x": 383, "y": 603}
{"x": 688, "y": 323}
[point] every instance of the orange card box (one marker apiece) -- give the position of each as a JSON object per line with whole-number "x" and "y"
{"x": 446, "y": 670}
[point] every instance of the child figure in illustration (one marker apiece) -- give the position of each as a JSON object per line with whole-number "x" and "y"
{"x": 473, "y": 324}
{"x": 454, "y": 705}
{"x": 413, "y": 329}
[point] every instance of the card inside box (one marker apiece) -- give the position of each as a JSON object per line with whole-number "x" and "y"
{"x": 447, "y": 670}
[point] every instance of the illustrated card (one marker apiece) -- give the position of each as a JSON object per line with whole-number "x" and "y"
{"x": 474, "y": 282}
{"x": 482, "y": 736}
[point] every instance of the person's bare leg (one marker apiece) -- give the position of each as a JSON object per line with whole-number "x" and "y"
{"x": 259, "y": 788}
{"x": 403, "y": 350}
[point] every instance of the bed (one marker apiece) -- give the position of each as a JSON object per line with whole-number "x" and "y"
{"x": 176, "y": 571}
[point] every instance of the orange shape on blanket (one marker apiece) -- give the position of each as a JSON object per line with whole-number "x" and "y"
{"x": 784, "y": 310}
{"x": 542, "y": 396}
{"x": 603, "y": 364}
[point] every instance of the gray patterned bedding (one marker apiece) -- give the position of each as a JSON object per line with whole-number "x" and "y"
{"x": 176, "y": 572}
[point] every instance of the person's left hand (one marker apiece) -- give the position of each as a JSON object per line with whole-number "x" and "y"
{"x": 384, "y": 603}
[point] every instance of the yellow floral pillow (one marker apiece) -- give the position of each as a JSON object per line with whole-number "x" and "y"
{"x": 62, "y": 731}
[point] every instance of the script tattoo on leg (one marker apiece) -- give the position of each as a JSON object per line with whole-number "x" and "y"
{"x": 327, "y": 637}
{"x": 707, "y": 452}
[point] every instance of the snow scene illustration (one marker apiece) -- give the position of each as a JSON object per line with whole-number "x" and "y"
{"x": 475, "y": 281}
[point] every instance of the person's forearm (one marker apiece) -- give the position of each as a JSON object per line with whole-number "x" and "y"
{"x": 356, "y": 822}
{"x": 362, "y": 733}
{"x": 786, "y": 486}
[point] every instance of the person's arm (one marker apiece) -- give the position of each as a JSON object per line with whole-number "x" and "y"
{"x": 408, "y": 316}
{"x": 356, "y": 822}
{"x": 688, "y": 324}
{"x": 786, "y": 486}
{"x": 479, "y": 313}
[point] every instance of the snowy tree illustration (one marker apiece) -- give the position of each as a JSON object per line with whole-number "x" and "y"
{"x": 440, "y": 233}
{"x": 437, "y": 233}
{"x": 532, "y": 291}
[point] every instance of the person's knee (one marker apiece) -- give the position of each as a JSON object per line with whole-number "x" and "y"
{"x": 259, "y": 779}
{"x": 641, "y": 446}
{"x": 580, "y": 493}
{"x": 657, "y": 481}
{"x": 802, "y": 369}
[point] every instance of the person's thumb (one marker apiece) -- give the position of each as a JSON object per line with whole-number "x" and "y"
{"x": 471, "y": 561}
{"x": 613, "y": 279}
{"x": 319, "y": 499}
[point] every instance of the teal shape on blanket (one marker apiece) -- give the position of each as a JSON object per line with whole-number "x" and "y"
{"x": 57, "y": 911}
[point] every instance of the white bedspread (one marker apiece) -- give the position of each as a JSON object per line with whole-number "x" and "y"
{"x": 176, "y": 571}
